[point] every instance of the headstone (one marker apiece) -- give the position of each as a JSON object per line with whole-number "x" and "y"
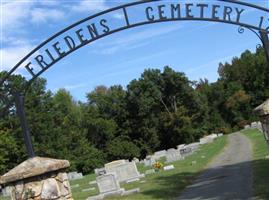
{"x": 246, "y": 126}
{"x": 193, "y": 162}
{"x": 259, "y": 126}
{"x": 100, "y": 171}
{"x": 210, "y": 139}
{"x": 125, "y": 171}
{"x": 186, "y": 151}
{"x": 108, "y": 185}
{"x": 150, "y": 171}
{"x": 92, "y": 182}
{"x": 207, "y": 139}
{"x": 254, "y": 125}
{"x": 88, "y": 189}
{"x": 203, "y": 140}
{"x": 159, "y": 154}
{"x": 220, "y": 134}
{"x": 114, "y": 163}
{"x": 173, "y": 155}
{"x": 136, "y": 160}
{"x": 149, "y": 161}
{"x": 132, "y": 191}
{"x": 181, "y": 146}
{"x": 74, "y": 186}
{"x": 168, "y": 167}
{"x": 213, "y": 136}
{"x": 74, "y": 175}
{"x": 193, "y": 146}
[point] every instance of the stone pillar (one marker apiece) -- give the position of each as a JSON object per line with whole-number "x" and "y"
{"x": 39, "y": 179}
{"x": 263, "y": 112}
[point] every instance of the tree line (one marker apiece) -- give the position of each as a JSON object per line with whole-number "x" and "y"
{"x": 159, "y": 110}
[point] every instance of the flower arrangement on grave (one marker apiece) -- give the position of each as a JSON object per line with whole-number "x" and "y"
{"x": 157, "y": 166}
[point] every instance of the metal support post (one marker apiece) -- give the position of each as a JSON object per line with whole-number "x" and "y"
{"x": 19, "y": 100}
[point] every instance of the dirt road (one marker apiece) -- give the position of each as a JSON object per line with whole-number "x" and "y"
{"x": 228, "y": 177}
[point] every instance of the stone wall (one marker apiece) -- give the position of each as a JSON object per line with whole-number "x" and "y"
{"x": 265, "y": 127}
{"x": 38, "y": 179}
{"x": 263, "y": 111}
{"x": 45, "y": 187}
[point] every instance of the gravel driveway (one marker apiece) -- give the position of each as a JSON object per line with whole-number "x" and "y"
{"x": 228, "y": 177}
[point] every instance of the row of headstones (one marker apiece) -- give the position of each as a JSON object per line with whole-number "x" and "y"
{"x": 210, "y": 138}
{"x": 182, "y": 150}
{"x": 112, "y": 174}
{"x": 254, "y": 125}
{"x": 109, "y": 178}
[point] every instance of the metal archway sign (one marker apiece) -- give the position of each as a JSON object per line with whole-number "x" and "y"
{"x": 98, "y": 26}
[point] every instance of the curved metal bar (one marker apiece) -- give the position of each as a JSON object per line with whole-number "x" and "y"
{"x": 122, "y": 28}
{"x": 258, "y": 46}
{"x": 242, "y": 30}
{"x": 254, "y": 33}
{"x": 136, "y": 25}
{"x": 70, "y": 27}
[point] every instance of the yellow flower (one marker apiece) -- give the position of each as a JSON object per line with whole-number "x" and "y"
{"x": 158, "y": 165}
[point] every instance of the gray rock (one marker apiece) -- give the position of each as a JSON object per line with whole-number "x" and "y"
{"x": 6, "y": 191}
{"x": 50, "y": 189}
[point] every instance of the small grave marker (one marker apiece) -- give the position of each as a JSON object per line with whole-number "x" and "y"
{"x": 88, "y": 189}
{"x": 150, "y": 171}
{"x": 193, "y": 162}
{"x": 168, "y": 167}
{"x": 92, "y": 182}
{"x": 74, "y": 186}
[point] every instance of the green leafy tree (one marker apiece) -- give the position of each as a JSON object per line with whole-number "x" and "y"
{"x": 122, "y": 148}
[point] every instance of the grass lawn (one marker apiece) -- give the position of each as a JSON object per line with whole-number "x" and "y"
{"x": 164, "y": 184}
{"x": 161, "y": 185}
{"x": 260, "y": 164}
